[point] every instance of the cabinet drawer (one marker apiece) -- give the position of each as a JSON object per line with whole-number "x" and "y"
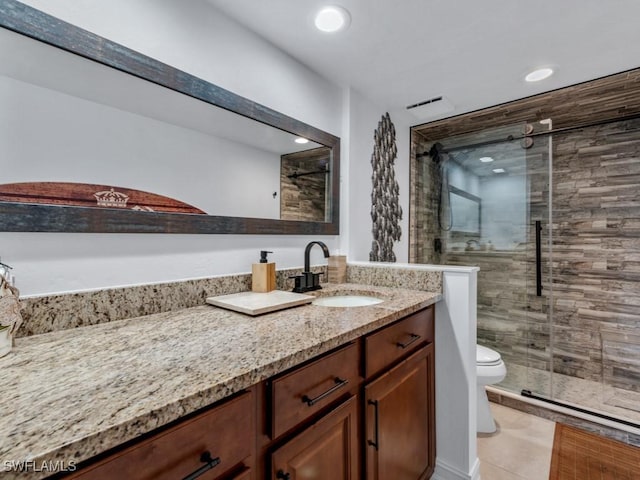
{"x": 385, "y": 346}
{"x": 299, "y": 394}
{"x": 227, "y": 432}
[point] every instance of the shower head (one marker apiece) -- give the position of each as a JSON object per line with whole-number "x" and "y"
{"x": 436, "y": 151}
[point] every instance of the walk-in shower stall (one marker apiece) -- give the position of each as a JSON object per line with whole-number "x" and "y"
{"x": 552, "y": 218}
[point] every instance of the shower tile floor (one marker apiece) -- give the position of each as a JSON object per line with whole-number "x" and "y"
{"x": 615, "y": 402}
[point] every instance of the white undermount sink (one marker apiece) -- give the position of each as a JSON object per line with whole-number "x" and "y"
{"x": 347, "y": 301}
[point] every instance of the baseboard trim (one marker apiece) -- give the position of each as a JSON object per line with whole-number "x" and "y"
{"x": 445, "y": 471}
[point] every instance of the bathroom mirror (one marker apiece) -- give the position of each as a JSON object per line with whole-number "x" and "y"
{"x": 95, "y": 137}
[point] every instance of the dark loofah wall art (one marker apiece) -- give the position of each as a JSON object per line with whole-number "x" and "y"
{"x": 386, "y": 212}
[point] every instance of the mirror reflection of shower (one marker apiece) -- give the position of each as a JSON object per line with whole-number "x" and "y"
{"x": 480, "y": 189}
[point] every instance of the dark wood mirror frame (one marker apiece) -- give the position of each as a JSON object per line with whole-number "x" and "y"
{"x": 23, "y": 217}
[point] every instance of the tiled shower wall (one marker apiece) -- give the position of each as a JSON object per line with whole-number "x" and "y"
{"x": 596, "y": 252}
{"x": 595, "y": 294}
{"x": 423, "y": 217}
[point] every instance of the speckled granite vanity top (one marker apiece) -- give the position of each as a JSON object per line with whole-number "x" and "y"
{"x": 71, "y": 394}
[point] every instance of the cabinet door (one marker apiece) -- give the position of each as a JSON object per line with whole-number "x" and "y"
{"x": 400, "y": 420}
{"x": 326, "y": 450}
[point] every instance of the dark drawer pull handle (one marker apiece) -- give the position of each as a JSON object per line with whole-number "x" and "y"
{"x": 339, "y": 384}
{"x": 210, "y": 463}
{"x": 414, "y": 338}
{"x": 283, "y": 475}
{"x": 375, "y": 406}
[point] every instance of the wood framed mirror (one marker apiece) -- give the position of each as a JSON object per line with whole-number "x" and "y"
{"x": 95, "y": 137}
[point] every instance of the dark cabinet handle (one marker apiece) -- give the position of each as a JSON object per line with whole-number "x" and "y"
{"x": 339, "y": 384}
{"x": 209, "y": 464}
{"x": 414, "y": 338}
{"x": 283, "y": 475}
{"x": 375, "y": 406}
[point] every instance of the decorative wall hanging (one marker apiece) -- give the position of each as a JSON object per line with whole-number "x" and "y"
{"x": 386, "y": 212}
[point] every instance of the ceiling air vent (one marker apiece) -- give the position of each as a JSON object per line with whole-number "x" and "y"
{"x": 431, "y": 108}
{"x": 426, "y": 102}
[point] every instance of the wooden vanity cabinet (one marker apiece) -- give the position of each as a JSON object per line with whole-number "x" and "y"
{"x": 399, "y": 400}
{"x": 363, "y": 410}
{"x": 216, "y": 444}
{"x": 385, "y": 432}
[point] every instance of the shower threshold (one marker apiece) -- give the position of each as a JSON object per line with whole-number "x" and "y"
{"x": 589, "y": 395}
{"x": 610, "y": 427}
{"x": 528, "y": 394}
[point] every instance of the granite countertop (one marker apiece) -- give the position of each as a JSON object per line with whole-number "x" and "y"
{"x": 71, "y": 394}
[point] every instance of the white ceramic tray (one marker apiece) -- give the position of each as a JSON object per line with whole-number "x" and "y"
{"x": 254, "y": 303}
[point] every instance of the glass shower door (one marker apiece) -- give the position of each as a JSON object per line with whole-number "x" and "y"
{"x": 538, "y": 305}
{"x": 492, "y": 192}
{"x": 553, "y": 222}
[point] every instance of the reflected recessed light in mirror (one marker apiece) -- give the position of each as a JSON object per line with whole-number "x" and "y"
{"x": 486, "y": 159}
{"x": 332, "y": 19}
{"x": 301, "y": 140}
{"x": 498, "y": 170}
{"x": 539, "y": 74}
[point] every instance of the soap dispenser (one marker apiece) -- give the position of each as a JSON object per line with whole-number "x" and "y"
{"x": 263, "y": 274}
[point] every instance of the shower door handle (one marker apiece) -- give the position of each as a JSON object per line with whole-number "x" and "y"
{"x": 538, "y": 259}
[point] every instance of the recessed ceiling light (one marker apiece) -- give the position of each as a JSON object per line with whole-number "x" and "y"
{"x": 498, "y": 170}
{"x": 332, "y": 19}
{"x": 486, "y": 159}
{"x": 539, "y": 74}
{"x": 301, "y": 140}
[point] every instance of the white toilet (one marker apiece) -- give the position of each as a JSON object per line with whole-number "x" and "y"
{"x": 491, "y": 369}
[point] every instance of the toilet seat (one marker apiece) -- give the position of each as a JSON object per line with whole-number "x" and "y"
{"x": 487, "y": 357}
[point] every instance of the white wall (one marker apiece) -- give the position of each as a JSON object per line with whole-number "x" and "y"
{"x": 364, "y": 116}
{"x": 203, "y": 42}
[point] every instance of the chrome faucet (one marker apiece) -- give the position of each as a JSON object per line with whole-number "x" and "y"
{"x": 308, "y": 281}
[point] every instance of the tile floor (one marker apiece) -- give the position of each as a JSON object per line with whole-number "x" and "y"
{"x": 519, "y": 450}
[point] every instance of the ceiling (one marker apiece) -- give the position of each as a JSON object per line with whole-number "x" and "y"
{"x": 475, "y": 54}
